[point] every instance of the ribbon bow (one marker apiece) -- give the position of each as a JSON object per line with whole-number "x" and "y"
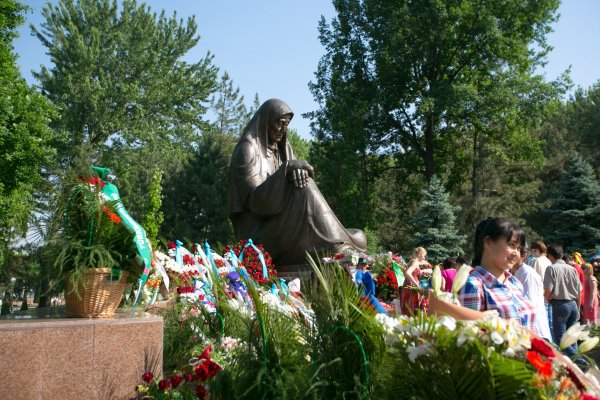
{"x": 260, "y": 257}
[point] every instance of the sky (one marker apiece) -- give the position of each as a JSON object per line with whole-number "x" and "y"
{"x": 271, "y": 47}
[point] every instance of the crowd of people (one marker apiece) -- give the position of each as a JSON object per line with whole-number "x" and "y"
{"x": 540, "y": 286}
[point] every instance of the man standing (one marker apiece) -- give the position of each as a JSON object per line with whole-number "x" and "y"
{"x": 562, "y": 289}
{"x": 533, "y": 288}
{"x": 540, "y": 264}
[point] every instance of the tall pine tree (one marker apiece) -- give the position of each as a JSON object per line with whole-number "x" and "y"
{"x": 574, "y": 215}
{"x": 435, "y": 224}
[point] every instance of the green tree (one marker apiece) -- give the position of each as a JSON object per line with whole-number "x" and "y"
{"x": 118, "y": 77}
{"x": 573, "y": 217}
{"x": 195, "y": 203}
{"x": 152, "y": 216}
{"x": 583, "y": 124}
{"x": 196, "y": 198}
{"x": 228, "y": 106}
{"x": 444, "y": 86}
{"x": 434, "y": 223}
{"x": 26, "y": 141}
{"x": 301, "y": 146}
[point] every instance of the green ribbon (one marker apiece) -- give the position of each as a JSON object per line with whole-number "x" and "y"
{"x": 398, "y": 273}
{"x": 141, "y": 241}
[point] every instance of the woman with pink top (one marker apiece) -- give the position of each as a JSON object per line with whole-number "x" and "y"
{"x": 589, "y": 303}
{"x": 449, "y": 273}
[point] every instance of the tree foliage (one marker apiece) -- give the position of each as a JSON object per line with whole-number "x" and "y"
{"x": 26, "y": 141}
{"x": 152, "y": 216}
{"x": 122, "y": 88}
{"x": 573, "y": 217}
{"x": 195, "y": 203}
{"x": 434, "y": 223}
{"x": 442, "y": 86}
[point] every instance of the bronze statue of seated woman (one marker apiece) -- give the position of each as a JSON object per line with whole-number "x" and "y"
{"x": 273, "y": 198}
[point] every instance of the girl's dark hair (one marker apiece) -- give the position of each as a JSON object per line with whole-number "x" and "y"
{"x": 495, "y": 228}
{"x": 449, "y": 263}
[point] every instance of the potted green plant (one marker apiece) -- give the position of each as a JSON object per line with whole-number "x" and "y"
{"x": 96, "y": 249}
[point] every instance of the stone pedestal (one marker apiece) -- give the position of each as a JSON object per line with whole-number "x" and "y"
{"x": 46, "y": 356}
{"x": 289, "y": 272}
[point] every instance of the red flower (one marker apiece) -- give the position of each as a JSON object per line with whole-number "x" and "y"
{"x": 201, "y": 372}
{"x": 587, "y": 397}
{"x": 172, "y": 245}
{"x": 540, "y": 346}
{"x": 212, "y": 368}
{"x": 206, "y": 353}
{"x": 164, "y": 385}
{"x": 176, "y": 380}
{"x": 189, "y": 377}
{"x": 200, "y": 391}
{"x": 544, "y": 368}
{"x": 187, "y": 259}
{"x": 147, "y": 377}
{"x": 111, "y": 215}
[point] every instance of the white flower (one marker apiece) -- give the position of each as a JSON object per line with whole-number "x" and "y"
{"x": 589, "y": 344}
{"x": 510, "y": 352}
{"x": 496, "y": 338}
{"x": 461, "y": 278}
{"x": 416, "y": 351}
{"x": 571, "y": 336}
{"x": 436, "y": 279}
{"x": 447, "y": 322}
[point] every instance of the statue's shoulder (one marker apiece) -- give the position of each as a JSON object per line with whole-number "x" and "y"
{"x": 245, "y": 152}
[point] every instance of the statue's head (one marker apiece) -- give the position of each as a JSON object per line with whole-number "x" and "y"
{"x": 268, "y": 127}
{"x": 278, "y": 127}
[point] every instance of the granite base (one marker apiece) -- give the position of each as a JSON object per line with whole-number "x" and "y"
{"x": 46, "y": 356}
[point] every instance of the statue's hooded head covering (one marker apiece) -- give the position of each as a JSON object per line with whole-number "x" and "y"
{"x": 248, "y": 166}
{"x": 257, "y": 129}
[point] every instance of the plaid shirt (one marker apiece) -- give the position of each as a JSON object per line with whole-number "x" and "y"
{"x": 483, "y": 292}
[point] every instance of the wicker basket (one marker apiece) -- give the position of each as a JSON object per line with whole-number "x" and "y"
{"x": 98, "y": 297}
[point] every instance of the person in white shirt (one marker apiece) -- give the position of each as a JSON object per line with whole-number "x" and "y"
{"x": 533, "y": 288}
{"x": 540, "y": 264}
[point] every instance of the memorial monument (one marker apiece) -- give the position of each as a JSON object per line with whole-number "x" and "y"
{"x": 273, "y": 198}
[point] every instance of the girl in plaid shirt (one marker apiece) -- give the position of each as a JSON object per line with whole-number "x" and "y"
{"x": 491, "y": 286}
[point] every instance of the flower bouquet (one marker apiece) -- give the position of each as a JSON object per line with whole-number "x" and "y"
{"x": 251, "y": 260}
{"x": 444, "y": 350}
{"x": 97, "y": 249}
{"x": 190, "y": 383}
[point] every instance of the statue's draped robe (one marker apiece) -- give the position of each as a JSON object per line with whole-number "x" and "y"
{"x": 265, "y": 206}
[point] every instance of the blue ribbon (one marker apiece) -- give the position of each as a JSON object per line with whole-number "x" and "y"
{"x": 237, "y": 267}
{"x": 284, "y": 288}
{"x": 211, "y": 259}
{"x": 178, "y": 255}
{"x": 274, "y": 289}
{"x": 260, "y": 257}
